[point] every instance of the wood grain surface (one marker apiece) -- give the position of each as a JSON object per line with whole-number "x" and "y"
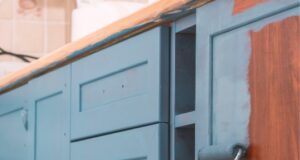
{"x": 243, "y": 5}
{"x": 274, "y": 78}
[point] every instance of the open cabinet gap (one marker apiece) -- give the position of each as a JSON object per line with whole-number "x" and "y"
{"x": 185, "y": 42}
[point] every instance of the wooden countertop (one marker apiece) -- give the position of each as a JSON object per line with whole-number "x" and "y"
{"x": 156, "y": 14}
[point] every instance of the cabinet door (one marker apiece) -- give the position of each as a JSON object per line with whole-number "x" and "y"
{"x": 125, "y": 85}
{"x": 49, "y": 115}
{"x": 13, "y": 130}
{"x": 146, "y": 143}
{"x": 248, "y": 84}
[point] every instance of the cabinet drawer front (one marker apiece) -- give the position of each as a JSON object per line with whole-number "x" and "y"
{"x": 122, "y": 86}
{"x": 147, "y": 143}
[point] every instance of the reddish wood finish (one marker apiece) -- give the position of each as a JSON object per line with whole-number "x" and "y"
{"x": 243, "y": 5}
{"x": 274, "y": 78}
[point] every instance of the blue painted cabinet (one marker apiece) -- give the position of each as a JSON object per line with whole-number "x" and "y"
{"x": 123, "y": 86}
{"x": 13, "y": 129}
{"x": 49, "y": 104}
{"x": 118, "y": 100}
{"x": 146, "y": 143}
{"x": 114, "y": 104}
{"x": 225, "y": 57}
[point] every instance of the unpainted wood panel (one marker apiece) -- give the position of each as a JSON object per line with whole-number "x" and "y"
{"x": 243, "y": 5}
{"x": 274, "y": 79}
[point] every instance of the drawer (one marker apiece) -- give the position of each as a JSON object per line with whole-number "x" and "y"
{"x": 123, "y": 86}
{"x": 147, "y": 143}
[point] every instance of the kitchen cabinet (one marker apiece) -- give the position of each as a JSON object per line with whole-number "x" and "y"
{"x": 247, "y": 56}
{"x": 122, "y": 86}
{"x": 209, "y": 83}
{"x": 145, "y": 143}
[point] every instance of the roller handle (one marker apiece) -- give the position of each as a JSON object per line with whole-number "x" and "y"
{"x": 223, "y": 152}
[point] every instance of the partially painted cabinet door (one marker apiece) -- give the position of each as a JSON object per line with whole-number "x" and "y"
{"x": 122, "y": 86}
{"x": 146, "y": 143}
{"x": 248, "y": 90}
{"x": 49, "y": 104}
{"x": 13, "y": 125}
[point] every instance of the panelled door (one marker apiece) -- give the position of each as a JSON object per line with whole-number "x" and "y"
{"x": 247, "y": 85}
{"x": 13, "y": 125}
{"x": 49, "y": 103}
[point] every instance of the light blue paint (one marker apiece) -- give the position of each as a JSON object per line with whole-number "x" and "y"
{"x": 138, "y": 144}
{"x": 123, "y": 85}
{"x": 116, "y": 86}
{"x": 49, "y": 118}
{"x": 13, "y": 134}
{"x": 231, "y": 98}
{"x": 182, "y": 81}
{"x": 49, "y": 115}
{"x": 120, "y": 95}
{"x": 13, "y": 137}
{"x": 223, "y": 54}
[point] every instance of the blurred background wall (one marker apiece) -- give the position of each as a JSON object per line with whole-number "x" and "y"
{"x": 38, "y": 27}
{"x": 34, "y": 27}
{"x": 90, "y": 15}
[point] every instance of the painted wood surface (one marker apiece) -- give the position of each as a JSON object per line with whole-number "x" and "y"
{"x": 248, "y": 78}
{"x": 13, "y": 137}
{"x": 146, "y": 143}
{"x": 49, "y": 114}
{"x": 247, "y": 61}
{"x": 125, "y": 85}
{"x": 146, "y": 18}
{"x": 13, "y": 132}
{"x": 274, "y": 79}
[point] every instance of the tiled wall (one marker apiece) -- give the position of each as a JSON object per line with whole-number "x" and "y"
{"x": 36, "y": 31}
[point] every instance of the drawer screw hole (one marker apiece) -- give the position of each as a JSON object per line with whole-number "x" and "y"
{"x": 123, "y": 85}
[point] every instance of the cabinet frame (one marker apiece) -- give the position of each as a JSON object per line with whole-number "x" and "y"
{"x": 45, "y": 87}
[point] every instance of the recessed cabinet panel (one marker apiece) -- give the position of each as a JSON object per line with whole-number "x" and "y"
{"x": 49, "y": 118}
{"x": 245, "y": 64}
{"x": 119, "y": 85}
{"x": 122, "y": 86}
{"x": 147, "y": 143}
{"x": 231, "y": 94}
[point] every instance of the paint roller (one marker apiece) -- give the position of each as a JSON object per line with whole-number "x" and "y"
{"x": 223, "y": 152}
